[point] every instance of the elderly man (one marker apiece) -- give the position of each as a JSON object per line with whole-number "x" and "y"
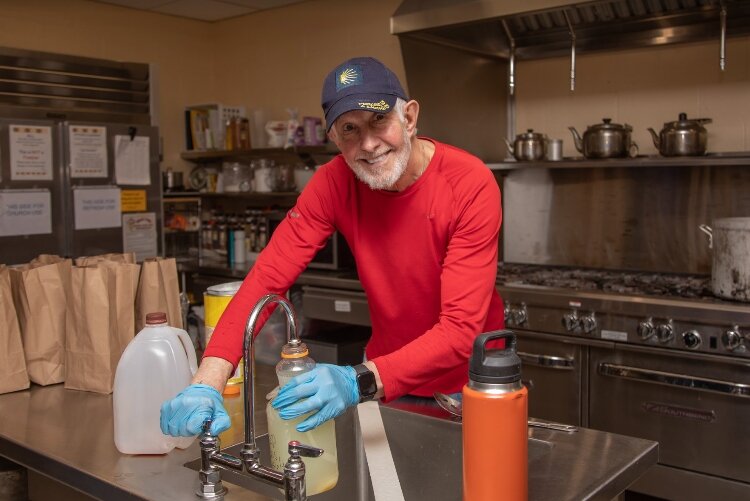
{"x": 422, "y": 220}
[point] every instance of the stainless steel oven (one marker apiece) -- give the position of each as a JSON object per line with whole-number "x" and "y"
{"x": 554, "y": 371}
{"x": 650, "y": 355}
{"x": 696, "y": 406}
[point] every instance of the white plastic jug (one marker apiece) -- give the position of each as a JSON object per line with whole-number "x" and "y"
{"x": 156, "y": 365}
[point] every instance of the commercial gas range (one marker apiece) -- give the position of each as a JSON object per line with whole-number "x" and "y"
{"x": 650, "y": 355}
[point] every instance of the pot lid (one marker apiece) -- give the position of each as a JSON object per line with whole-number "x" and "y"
{"x": 608, "y": 125}
{"x": 683, "y": 123}
{"x": 530, "y": 134}
{"x": 732, "y": 223}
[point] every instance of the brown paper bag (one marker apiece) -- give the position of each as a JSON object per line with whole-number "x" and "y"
{"x": 13, "y": 375}
{"x": 101, "y": 323}
{"x": 40, "y": 291}
{"x": 158, "y": 290}
{"x": 128, "y": 257}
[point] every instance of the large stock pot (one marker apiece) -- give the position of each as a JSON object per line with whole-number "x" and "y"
{"x": 729, "y": 238}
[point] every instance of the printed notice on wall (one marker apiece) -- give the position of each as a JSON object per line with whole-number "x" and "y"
{"x": 132, "y": 160}
{"x": 133, "y": 200}
{"x": 25, "y": 212}
{"x": 30, "y": 152}
{"x": 88, "y": 151}
{"x": 139, "y": 235}
{"x": 96, "y": 207}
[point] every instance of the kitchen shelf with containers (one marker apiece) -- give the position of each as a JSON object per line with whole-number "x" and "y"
{"x": 680, "y": 143}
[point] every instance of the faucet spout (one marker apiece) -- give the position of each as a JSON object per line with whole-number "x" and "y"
{"x": 250, "y": 452}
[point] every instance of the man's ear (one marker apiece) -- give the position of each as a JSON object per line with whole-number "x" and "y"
{"x": 331, "y": 134}
{"x": 411, "y": 114}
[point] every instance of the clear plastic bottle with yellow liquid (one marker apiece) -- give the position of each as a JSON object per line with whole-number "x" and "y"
{"x": 321, "y": 473}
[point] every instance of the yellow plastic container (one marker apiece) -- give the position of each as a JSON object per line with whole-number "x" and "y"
{"x": 215, "y": 301}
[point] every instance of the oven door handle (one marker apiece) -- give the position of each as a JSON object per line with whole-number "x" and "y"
{"x": 679, "y": 380}
{"x": 560, "y": 363}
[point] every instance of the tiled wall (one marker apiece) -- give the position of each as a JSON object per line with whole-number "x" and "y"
{"x": 643, "y": 88}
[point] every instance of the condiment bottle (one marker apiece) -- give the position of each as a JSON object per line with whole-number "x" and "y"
{"x": 322, "y": 473}
{"x": 495, "y": 429}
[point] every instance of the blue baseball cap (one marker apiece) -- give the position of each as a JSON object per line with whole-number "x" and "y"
{"x": 360, "y": 83}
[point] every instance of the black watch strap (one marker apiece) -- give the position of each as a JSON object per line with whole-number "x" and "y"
{"x": 366, "y": 383}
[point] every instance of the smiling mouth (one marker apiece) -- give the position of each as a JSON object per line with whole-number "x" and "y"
{"x": 375, "y": 160}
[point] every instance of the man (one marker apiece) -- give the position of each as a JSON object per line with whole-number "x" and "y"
{"x": 422, "y": 219}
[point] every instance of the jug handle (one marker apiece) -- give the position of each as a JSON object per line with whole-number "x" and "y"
{"x": 708, "y": 231}
{"x": 188, "y": 345}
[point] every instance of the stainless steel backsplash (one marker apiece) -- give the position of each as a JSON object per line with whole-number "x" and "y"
{"x": 619, "y": 218}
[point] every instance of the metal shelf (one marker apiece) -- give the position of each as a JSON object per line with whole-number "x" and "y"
{"x": 219, "y": 155}
{"x": 711, "y": 160}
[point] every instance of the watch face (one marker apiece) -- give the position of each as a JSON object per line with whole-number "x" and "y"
{"x": 366, "y": 383}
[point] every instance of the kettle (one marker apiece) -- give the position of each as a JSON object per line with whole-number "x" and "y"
{"x": 605, "y": 140}
{"x": 682, "y": 138}
{"x": 528, "y": 146}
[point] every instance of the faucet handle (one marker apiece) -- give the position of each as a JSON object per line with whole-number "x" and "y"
{"x": 297, "y": 449}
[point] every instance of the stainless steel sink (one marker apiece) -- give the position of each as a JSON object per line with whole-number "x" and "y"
{"x": 426, "y": 451}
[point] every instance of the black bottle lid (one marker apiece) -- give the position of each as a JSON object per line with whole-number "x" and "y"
{"x": 492, "y": 365}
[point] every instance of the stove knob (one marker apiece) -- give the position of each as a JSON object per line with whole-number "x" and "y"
{"x": 732, "y": 338}
{"x": 692, "y": 339}
{"x": 665, "y": 332}
{"x": 588, "y": 323}
{"x": 646, "y": 329}
{"x": 571, "y": 321}
{"x": 507, "y": 311}
{"x": 520, "y": 315}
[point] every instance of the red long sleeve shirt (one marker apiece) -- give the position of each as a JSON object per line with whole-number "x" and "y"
{"x": 426, "y": 258}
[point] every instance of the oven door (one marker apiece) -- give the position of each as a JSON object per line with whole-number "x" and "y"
{"x": 553, "y": 369}
{"x": 696, "y": 406}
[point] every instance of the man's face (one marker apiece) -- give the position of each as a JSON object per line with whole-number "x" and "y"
{"x": 376, "y": 146}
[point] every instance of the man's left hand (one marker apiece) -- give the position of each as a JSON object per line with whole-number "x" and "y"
{"x": 327, "y": 389}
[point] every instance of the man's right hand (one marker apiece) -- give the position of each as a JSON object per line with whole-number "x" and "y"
{"x": 184, "y": 415}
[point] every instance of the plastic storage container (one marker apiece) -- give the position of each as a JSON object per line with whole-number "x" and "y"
{"x": 321, "y": 473}
{"x": 156, "y": 365}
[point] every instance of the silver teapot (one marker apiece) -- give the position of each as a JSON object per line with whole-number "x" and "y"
{"x": 682, "y": 138}
{"x": 528, "y": 146}
{"x": 605, "y": 140}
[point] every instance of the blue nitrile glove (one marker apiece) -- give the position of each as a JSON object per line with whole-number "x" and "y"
{"x": 328, "y": 389}
{"x": 184, "y": 415}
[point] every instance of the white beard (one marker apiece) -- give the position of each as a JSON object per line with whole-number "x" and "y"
{"x": 382, "y": 177}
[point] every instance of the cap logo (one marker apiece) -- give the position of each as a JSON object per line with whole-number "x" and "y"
{"x": 379, "y": 106}
{"x": 348, "y": 76}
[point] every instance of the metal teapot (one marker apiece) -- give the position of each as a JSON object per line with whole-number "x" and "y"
{"x": 605, "y": 140}
{"x": 528, "y": 146}
{"x": 682, "y": 138}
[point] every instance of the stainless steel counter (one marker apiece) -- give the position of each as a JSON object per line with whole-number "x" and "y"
{"x": 68, "y": 435}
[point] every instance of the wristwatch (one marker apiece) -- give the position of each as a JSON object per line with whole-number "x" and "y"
{"x": 365, "y": 382}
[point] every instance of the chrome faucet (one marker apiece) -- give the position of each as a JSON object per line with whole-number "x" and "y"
{"x": 292, "y": 479}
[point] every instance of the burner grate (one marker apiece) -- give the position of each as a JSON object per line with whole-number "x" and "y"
{"x": 617, "y": 282}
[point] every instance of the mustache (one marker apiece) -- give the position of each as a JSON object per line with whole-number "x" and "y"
{"x": 372, "y": 156}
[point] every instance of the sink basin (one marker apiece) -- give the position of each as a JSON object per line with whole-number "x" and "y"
{"x": 426, "y": 451}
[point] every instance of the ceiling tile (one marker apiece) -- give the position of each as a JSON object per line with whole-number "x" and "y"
{"x": 206, "y": 10}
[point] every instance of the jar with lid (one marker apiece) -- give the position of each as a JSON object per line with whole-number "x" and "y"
{"x": 236, "y": 177}
{"x": 263, "y": 173}
{"x": 302, "y": 175}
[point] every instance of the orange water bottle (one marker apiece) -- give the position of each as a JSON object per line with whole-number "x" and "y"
{"x": 495, "y": 429}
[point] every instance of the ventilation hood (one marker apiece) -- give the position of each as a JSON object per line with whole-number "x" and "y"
{"x": 531, "y": 29}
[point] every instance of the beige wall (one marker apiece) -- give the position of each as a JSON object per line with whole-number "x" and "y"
{"x": 181, "y": 49}
{"x": 270, "y": 60}
{"x": 278, "y": 58}
{"x": 643, "y": 88}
